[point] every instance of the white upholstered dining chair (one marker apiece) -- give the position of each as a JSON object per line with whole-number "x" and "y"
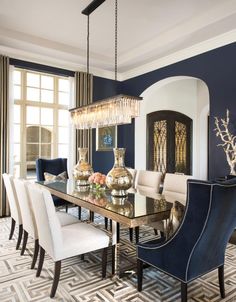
{"x": 14, "y": 207}
{"x": 174, "y": 189}
{"x": 148, "y": 181}
{"x": 28, "y": 219}
{"x": 62, "y": 242}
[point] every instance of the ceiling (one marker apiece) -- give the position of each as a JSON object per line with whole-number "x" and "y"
{"x": 151, "y": 33}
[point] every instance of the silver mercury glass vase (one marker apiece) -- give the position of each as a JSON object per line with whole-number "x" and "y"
{"x": 119, "y": 179}
{"x": 83, "y": 169}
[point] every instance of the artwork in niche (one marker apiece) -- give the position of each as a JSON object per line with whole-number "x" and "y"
{"x": 224, "y": 132}
{"x": 106, "y": 138}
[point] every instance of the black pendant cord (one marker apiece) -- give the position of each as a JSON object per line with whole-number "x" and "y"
{"x": 88, "y": 86}
{"x": 116, "y": 25}
{"x": 88, "y": 45}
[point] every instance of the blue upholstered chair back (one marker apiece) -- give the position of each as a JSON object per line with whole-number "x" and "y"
{"x": 199, "y": 244}
{"x": 53, "y": 166}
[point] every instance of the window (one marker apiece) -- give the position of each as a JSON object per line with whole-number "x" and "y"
{"x": 41, "y": 119}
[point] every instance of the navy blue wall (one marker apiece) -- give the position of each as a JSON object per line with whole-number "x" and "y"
{"x": 217, "y": 68}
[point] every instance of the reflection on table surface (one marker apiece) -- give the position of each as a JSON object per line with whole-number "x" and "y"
{"x": 135, "y": 204}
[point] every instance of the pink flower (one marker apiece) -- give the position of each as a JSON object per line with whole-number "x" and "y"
{"x": 97, "y": 178}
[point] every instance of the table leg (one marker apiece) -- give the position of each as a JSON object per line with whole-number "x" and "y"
{"x": 115, "y": 243}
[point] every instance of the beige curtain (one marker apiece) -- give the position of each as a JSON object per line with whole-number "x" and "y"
{"x": 4, "y": 131}
{"x": 84, "y": 96}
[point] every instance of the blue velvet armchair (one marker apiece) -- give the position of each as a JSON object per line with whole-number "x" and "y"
{"x": 55, "y": 167}
{"x": 199, "y": 244}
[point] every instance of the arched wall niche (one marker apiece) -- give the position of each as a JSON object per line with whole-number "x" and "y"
{"x": 186, "y": 95}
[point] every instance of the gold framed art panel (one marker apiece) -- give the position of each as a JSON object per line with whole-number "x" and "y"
{"x": 106, "y": 138}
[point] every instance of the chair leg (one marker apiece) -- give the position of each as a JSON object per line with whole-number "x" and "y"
{"x": 36, "y": 251}
{"x": 91, "y": 218}
{"x": 19, "y": 236}
{"x": 113, "y": 259}
{"x": 221, "y": 281}
{"x": 56, "y": 278}
{"x": 162, "y": 234}
{"x": 82, "y": 257}
{"x": 137, "y": 234}
{"x": 13, "y": 224}
{"x": 25, "y": 239}
{"x": 184, "y": 292}
{"x": 118, "y": 232}
{"x": 66, "y": 209}
{"x": 104, "y": 262}
{"x": 131, "y": 234}
{"x": 140, "y": 274}
{"x": 155, "y": 232}
{"x": 79, "y": 212}
{"x": 110, "y": 225}
{"x": 106, "y": 222}
{"x": 41, "y": 259}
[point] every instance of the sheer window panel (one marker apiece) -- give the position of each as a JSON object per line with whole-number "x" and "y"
{"x": 32, "y": 134}
{"x": 17, "y": 136}
{"x": 33, "y": 79}
{"x": 32, "y": 152}
{"x": 71, "y": 145}
{"x": 46, "y": 151}
{"x": 46, "y": 135}
{"x": 47, "y": 96}
{"x": 63, "y": 117}
{"x": 31, "y": 170}
{"x": 16, "y": 171}
{"x": 16, "y": 153}
{"x": 63, "y": 98}
{"x": 47, "y": 116}
{"x": 17, "y": 92}
{"x": 32, "y": 115}
{"x": 63, "y": 85}
{"x": 16, "y": 114}
{"x": 47, "y": 82}
{"x": 33, "y": 94}
{"x": 63, "y": 134}
{"x": 17, "y": 77}
{"x": 63, "y": 151}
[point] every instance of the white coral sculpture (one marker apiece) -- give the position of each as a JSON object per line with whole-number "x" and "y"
{"x": 228, "y": 141}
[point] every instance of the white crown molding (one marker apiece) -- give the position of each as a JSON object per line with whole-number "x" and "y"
{"x": 53, "y": 61}
{"x": 222, "y": 11}
{"x": 181, "y": 55}
{"x": 175, "y": 57}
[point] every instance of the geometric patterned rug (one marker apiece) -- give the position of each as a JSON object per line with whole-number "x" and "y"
{"x": 81, "y": 279}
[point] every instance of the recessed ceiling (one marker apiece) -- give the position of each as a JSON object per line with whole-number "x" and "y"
{"x": 54, "y": 32}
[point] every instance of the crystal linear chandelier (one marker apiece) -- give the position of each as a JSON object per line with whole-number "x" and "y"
{"x": 115, "y": 110}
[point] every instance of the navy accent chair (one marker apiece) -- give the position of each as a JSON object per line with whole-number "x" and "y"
{"x": 55, "y": 167}
{"x": 198, "y": 246}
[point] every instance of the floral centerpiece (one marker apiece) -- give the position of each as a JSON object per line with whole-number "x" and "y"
{"x": 97, "y": 181}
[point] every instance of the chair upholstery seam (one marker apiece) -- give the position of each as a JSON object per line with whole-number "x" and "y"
{"x": 205, "y": 223}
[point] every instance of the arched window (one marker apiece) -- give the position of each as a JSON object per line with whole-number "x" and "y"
{"x": 169, "y": 137}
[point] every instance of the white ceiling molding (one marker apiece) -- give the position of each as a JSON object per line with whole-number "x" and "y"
{"x": 190, "y": 27}
{"x": 156, "y": 34}
{"x": 181, "y": 55}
